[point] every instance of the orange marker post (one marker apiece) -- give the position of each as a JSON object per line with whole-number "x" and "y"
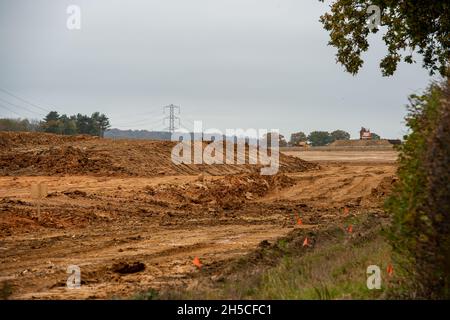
{"x": 346, "y": 211}
{"x": 305, "y": 242}
{"x": 197, "y": 262}
{"x": 390, "y": 270}
{"x": 350, "y": 229}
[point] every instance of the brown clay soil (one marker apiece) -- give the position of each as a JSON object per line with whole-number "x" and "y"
{"x": 36, "y": 154}
{"x": 132, "y": 226}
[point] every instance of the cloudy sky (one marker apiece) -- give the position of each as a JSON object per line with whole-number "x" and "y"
{"x": 229, "y": 63}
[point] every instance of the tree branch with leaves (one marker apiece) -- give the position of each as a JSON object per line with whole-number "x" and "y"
{"x": 412, "y": 26}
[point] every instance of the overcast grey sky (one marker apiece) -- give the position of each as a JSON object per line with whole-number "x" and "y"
{"x": 230, "y": 63}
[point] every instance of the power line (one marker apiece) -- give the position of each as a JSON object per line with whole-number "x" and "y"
{"x": 190, "y": 121}
{"x": 24, "y": 100}
{"x": 140, "y": 114}
{"x": 4, "y": 107}
{"x": 22, "y": 107}
{"x": 139, "y": 121}
{"x": 184, "y": 126}
{"x": 187, "y": 119}
{"x": 153, "y": 125}
{"x": 145, "y": 122}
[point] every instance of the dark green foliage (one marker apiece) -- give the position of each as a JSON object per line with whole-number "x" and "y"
{"x": 340, "y": 135}
{"x": 411, "y": 26}
{"x": 52, "y": 123}
{"x": 375, "y": 136}
{"x": 298, "y": 137}
{"x": 80, "y": 124}
{"x": 69, "y": 125}
{"x": 320, "y": 138}
{"x": 437, "y": 165}
{"x": 52, "y": 116}
{"x": 101, "y": 123}
{"x": 420, "y": 204}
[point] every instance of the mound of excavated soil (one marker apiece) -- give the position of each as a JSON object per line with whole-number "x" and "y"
{"x": 66, "y": 159}
{"x": 48, "y": 154}
{"x": 227, "y": 193}
{"x": 360, "y": 143}
{"x": 13, "y": 140}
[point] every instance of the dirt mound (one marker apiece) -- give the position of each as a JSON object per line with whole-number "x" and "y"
{"x": 227, "y": 193}
{"x": 12, "y": 140}
{"x": 379, "y": 193}
{"x": 56, "y": 160}
{"x": 48, "y": 154}
{"x": 359, "y": 143}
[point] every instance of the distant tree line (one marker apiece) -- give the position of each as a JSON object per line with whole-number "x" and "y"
{"x": 19, "y": 125}
{"x": 322, "y": 138}
{"x": 95, "y": 125}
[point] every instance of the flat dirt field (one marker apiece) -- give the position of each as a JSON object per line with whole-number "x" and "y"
{"x": 131, "y": 220}
{"x": 354, "y": 156}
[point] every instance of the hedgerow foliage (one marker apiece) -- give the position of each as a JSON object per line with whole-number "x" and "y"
{"x": 420, "y": 204}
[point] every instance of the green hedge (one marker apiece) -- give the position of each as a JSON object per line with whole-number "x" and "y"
{"x": 420, "y": 234}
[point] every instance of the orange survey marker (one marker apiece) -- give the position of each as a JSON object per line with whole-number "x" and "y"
{"x": 350, "y": 229}
{"x": 299, "y": 221}
{"x": 197, "y": 262}
{"x": 305, "y": 242}
{"x": 390, "y": 270}
{"x": 346, "y": 210}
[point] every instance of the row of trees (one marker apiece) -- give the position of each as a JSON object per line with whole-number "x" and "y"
{"x": 19, "y": 125}
{"x": 322, "y": 138}
{"x": 319, "y": 138}
{"x": 95, "y": 125}
{"x": 316, "y": 138}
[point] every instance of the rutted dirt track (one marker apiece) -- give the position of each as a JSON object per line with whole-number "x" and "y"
{"x": 163, "y": 221}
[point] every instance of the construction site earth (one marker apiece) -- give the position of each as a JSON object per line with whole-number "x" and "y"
{"x": 133, "y": 221}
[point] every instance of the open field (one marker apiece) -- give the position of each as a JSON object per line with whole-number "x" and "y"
{"x": 122, "y": 213}
{"x": 360, "y": 155}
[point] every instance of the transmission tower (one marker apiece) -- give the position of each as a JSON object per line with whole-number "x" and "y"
{"x": 171, "y": 117}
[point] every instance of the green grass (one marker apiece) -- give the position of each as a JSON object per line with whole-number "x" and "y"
{"x": 332, "y": 272}
{"x": 335, "y": 268}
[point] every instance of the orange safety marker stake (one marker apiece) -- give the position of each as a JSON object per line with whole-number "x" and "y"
{"x": 350, "y": 229}
{"x": 197, "y": 262}
{"x": 305, "y": 242}
{"x": 346, "y": 210}
{"x": 390, "y": 270}
{"x": 299, "y": 221}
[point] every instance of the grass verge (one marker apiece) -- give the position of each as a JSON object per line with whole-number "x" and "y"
{"x": 334, "y": 266}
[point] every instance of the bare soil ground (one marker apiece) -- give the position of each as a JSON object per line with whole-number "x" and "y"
{"x": 370, "y": 156}
{"x": 37, "y": 154}
{"x": 156, "y": 214}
